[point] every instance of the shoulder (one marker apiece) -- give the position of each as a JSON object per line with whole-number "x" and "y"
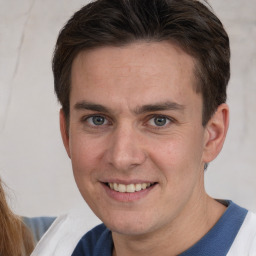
{"x": 38, "y": 225}
{"x": 94, "y": 234}
{"x": 245, "y": 241}
{"x": 97, "y": 241}
{"x": 65, "y": 233}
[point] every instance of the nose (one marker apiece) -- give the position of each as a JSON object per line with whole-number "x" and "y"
{"x": 125, "y": 150}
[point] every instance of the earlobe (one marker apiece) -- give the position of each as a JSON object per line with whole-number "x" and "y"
{"x": 216, "y": 130}
{"x": 64, "y": 131}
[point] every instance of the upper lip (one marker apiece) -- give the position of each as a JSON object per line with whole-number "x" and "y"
{"x": 127, "y": 182}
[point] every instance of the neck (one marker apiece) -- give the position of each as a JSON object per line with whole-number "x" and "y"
{"x": 187, "y": 229}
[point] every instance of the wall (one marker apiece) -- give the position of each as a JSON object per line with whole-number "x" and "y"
{"x": 32, "y": 159}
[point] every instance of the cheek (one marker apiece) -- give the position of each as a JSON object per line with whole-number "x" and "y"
{"x": 178, "y": 158}
{"x": 85, "y": 163}
{"x": 171, "y": 152}
{"x": 179, "y": 163}
{"x": 85, "y": 154}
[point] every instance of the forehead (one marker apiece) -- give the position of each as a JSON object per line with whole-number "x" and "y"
{"x": 155, "y": 69}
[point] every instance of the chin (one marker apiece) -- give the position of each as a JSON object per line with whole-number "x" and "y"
{"x": 129, "y": 230}
{"x": 129, "y": 226}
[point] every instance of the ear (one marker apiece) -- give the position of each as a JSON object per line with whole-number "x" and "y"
{"x": 64, "y": 131}
{"x": 215, "y": 133}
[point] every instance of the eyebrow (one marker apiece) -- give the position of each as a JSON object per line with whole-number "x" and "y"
{"x": 84, "y": 105}
{"x": 162, "y": 106}
{"x": 168, "y": 105}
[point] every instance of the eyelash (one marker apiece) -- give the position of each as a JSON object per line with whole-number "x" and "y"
{"x": 151, "y": 117}
{"x": 155, "y": 127}
{"x": 86, "y": 118}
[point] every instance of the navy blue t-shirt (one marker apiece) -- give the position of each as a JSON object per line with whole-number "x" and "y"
{"x": 217, "y": 242}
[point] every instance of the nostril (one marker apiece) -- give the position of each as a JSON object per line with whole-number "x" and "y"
{"x": 124, "y": 149}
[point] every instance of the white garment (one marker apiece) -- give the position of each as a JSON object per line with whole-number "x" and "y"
{"x": 65, "y": 233}
{"x": 67, "y": 230}
{"x": 245, "y": 241}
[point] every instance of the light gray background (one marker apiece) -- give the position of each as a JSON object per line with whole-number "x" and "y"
{"x": 33, "y": 162}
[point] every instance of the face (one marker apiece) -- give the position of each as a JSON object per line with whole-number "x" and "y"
{"x": 135, "y": 137}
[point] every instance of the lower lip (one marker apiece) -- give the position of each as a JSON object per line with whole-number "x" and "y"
{"x": 127, "y": 197}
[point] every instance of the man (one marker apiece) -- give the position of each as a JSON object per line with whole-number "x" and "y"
{"x": 142, "y": 84}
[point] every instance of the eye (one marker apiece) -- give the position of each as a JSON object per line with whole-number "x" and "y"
{"x": 159, "y": 121}
{"x": 97, "y": 120}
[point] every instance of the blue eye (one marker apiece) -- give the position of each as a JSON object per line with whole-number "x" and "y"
{"x": 159, "y": 121}
{"x": 97, "y": 120}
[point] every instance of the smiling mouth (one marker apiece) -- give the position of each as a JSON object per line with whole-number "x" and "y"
{"x": 130, "y": 188}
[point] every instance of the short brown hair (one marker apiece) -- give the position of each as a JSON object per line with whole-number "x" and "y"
{"x": 187, "y": 23}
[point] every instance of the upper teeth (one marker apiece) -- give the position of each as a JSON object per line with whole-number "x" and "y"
{"x": 128, "y": 188}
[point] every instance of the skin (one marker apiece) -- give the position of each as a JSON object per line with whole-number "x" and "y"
{"x": 129, "y": 87}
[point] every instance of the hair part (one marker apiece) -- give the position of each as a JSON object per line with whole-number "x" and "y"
{"x": 187, "y": 23}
